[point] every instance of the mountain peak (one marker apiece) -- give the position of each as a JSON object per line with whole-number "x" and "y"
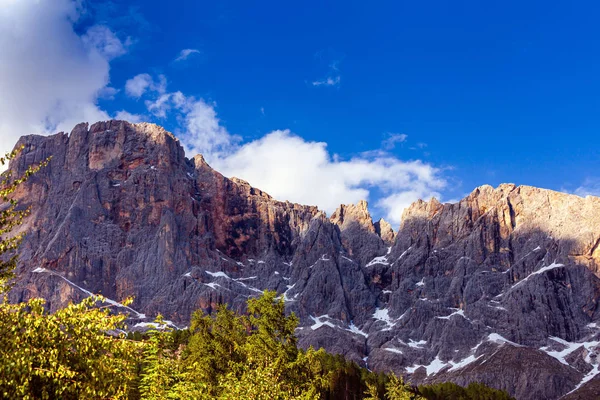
{"x": 358, "y": 213}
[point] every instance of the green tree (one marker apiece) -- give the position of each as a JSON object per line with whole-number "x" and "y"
{"x": 396, "y": 389}
{"x": 11, "y": 217}
{"x": 68, "y": 354}
{"x": 78, "y": 352}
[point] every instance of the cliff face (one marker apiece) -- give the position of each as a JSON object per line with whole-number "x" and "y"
{"x": 501, "y": 287}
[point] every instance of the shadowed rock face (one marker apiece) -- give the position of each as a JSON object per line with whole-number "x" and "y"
{"x": 501, "y": 287}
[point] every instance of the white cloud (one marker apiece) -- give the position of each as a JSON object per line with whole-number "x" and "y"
{"x": 185, "y": 53}
{"x": 290, "y": 168}
{"x": 393, "y": 139}
{"x": 127, "y": 116}
{"x": 202, "y": 131}
{"x": 590, "y": 187}
{"x": 102, "y": 39}
{"x": 141, "y": 83}
{"x": 199, "y": 128}
{"x": 50, "y": 77}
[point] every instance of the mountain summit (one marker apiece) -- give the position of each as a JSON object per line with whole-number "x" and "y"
{"x": 501, "y": 287}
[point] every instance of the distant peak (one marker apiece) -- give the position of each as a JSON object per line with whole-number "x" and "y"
{"x": 353, "y": 213}
{"x": 385, "y": 231}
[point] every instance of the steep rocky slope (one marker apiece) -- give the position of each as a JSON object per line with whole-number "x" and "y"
{"x": 501, "y": 287}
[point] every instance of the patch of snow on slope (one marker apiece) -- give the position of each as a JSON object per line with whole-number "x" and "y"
{"x": 590, "y": 375}
{"x": 539, "y": 271}
{"x": 218, "y": 274}
{"x": 458, "y": 312}
{"x": 393, "y": 350}
{"x": 417, "y": 345}
{"x": 378, "y": 260}
{"x": 285, "y": 297}
{"x": 434, "y": 366}
{"x": 246, "y": 279}
{"x": 212, "y": 285}
{"x": 90, "y": 294}
{"x": 496, "y": 338}
{"x": 354, "y": 329}
{"x": 569, "y": 348}
{"x": 318, "y": 322}
{"x": 421, "y": 282}
{"x": 464, "y": 362}
{"x": 382, "y": 314}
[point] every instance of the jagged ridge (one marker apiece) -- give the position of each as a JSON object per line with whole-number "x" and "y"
{"x": 121, "y": 211}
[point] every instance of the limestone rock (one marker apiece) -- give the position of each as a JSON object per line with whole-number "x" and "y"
{"x": 501, "y": 287}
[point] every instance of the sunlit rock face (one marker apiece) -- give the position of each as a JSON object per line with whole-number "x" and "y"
{"x": 501, "y": 287}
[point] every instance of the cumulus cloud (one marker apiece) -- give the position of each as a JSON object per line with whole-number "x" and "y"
{"x": 291, "y": 168}
{"x": 50, "y": 76}
{"x": 185, "y": 54}
{"x": 127, "y": 116}
{"x": 102, "y": 39}
{"x": 199, "y": 128}
{"x": 141, "y": 83}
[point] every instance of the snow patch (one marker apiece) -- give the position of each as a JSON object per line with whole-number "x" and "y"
{"x": 378, "y": 260}
{"x": 218, "y": 274}
{"x": 417, "y": 345}
{"x": 285, "y": 296}
{"x": 90, "y": 294}
{"x": 569, "y": 348}
{"x": 421, "y": 282}
{"x": 318, "y": 322}
{"x": 434, "y": 366}
{"x": 539, "y": 271}
{"x": 496, "y": 338}
{"x": 393, "y": 350}
{"x": 354, "y": 329}
{"x": 458, "y": 312}
{"x": 464, "y": 362}
{"x": 382, "y": 314}
{"x": 212, "y": 285}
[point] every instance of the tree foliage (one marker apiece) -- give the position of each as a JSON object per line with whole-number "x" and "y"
{"x": 11, "y": 217}
{"x": 70, "y": 354}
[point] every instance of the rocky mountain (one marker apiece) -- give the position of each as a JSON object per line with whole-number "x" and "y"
{"x": 501, "y": 287}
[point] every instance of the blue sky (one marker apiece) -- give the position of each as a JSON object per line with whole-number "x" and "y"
{"x": 472, "y": 93}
